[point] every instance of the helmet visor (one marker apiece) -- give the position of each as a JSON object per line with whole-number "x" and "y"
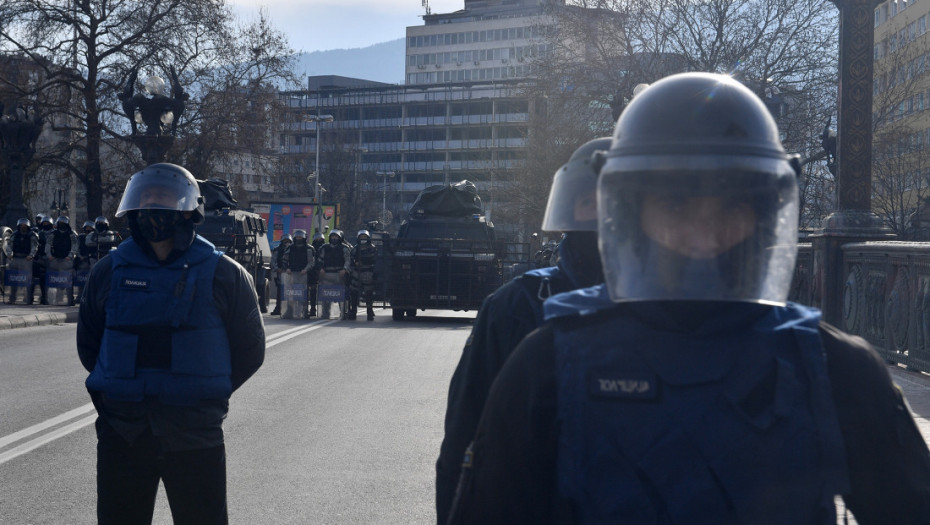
{"x": 728, "y": 235}
{"x": 572, "y": 203}
{"x": 159, "y": 189}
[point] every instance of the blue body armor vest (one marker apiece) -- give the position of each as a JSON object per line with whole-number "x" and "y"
{"x": 735, "y": 425}
{"x": 177, "y": 300}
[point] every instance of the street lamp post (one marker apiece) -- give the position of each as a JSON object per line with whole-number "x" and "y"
{"x": 386, "y": 174}
{"x": 358, "y": 160}
{"x": 316, "y": 189}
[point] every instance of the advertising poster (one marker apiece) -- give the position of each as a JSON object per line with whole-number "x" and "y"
{"x": 285, "y": 218}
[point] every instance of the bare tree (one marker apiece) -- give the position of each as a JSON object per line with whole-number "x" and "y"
{"x": 87, "y": 50}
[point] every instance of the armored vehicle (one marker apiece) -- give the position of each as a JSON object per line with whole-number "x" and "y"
{"x": 445, "y": 255}
{"x": 240, "y": 234}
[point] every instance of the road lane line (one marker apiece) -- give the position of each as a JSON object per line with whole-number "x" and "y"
{"x": 71, "y": 414}
{"x": 47, "y": 438}
{"x": 301, "y": 332}
{"x": 29, "y": 446}
{"x": 285, "y": 332}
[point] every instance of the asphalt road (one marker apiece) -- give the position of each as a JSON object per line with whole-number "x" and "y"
{"x": 341, "y": 425}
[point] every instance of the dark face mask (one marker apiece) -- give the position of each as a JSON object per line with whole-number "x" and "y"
{"x": 101, "y": 227}
{"x": 64, "y": 228}
{"x": 300, "y": 241}
{"x": 335, "y": 241}
{"x": 46, "y": 226}
{"x": 158, "y": 225}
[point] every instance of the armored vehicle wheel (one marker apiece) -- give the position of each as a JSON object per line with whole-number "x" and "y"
{"x": 412, "y": 313}
{"x": 397, "y": 314}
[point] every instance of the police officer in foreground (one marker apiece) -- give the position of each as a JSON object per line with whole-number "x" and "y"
{"x": 278, "y": 266}
{"x": 686, "y": 389}
{"x": 60, "y": 251}
{"x": 363, "y": 257}
{"x": 22, "y": 248}
{"x": 313, "y": 278}
{"x": 335, "y": 264}
{"x": 515, "y": 309}
{"x": 169, "y": 327}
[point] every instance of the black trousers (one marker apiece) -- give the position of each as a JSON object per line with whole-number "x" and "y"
{"x": 128, "y": 476}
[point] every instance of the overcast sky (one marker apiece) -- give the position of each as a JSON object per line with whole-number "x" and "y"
{"x": 319, "y": 25}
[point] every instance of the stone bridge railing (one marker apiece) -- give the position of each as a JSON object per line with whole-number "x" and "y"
{"x": 886, "y": 297}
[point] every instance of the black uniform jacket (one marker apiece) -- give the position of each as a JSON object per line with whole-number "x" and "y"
{"x": 513, "y": 478}
{"x": 180, "y": 428}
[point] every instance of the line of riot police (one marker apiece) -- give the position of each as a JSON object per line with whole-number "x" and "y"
{"x": 325, "y": 272}
{"x": 52, "y": 255}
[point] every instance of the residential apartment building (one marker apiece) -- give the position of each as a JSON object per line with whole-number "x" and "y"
{"x": 901, "y": 96}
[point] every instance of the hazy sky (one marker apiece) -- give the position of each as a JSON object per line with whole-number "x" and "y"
{"x": 318, "y": 25}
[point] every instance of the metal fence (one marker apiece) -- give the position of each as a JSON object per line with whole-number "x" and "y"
{"x": 886, "y": 296}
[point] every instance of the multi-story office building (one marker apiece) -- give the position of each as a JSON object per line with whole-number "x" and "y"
{"x": 487, "y": 40}
{"x": 414, "y": 135}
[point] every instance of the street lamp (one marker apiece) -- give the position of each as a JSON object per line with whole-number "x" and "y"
{"x": 386, "y": 174}
{"x": 316, "y": 193}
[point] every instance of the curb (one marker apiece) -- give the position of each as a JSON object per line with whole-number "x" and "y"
{"x": 39, "y": 319}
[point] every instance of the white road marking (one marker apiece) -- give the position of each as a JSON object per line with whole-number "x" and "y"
{"x": 62, "y": 431}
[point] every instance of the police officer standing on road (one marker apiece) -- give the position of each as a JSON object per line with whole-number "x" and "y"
{"x": 82, "y": 261}
{"x": 300, "y": 262}
{"x": 336, "y": 261}
{"x": 22, "y": 249}
{"x": 103, "y": 238}
{"x": 313, "y": 278}
{"x": 278, "y": 266}
{"x": 685, "y": 389}
{"x": 169, "y": 327}
{"x": 516, "y": 309}
{"x": 363, "y": 257}
{"x": 40, "y": 263}
{"x": 61, "y": 249}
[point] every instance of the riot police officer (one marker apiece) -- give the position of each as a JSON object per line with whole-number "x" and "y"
{"x": 82, "y": 261}
{"x": 515, "y": 309}
{"x": 103, "y": 238}
{"x": 169, "y": 328}
{"x": 335, "y": 264}
{"x": 686, "y": 389}
{"x": 278, "y": 266}
{"x": 300, "y": 262}
{"x": 60, "y": 251}
{"x": 313, "y": 278}
{"x": 23, "y": 247}
{"x": 363, "y": 257}
{"x": 40, "y": 263}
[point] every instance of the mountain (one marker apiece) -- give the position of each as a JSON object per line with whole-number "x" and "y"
{"x": 382, "y": 62}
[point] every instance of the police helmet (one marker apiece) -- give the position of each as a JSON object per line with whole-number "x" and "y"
{"x": 697, "y": 199}
{"x": 287, "y": 237}
{"x": 361, "y": 233}
{"x": 318, "y": 237}
{"x": 300, "y": 234}
{"x": 45, "y": 219}
{"x": 62, "y": 220}
{"x": 572, "y": 202}
{"x": 39, "y": 217}
{"x": 337, "y": 233}
{"x": 88, "y": 224}
{"x": 163, "y": 186}
{"x": 23, "y": 222}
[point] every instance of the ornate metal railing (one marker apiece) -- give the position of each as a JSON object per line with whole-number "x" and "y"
{"x": 886, "y": 297}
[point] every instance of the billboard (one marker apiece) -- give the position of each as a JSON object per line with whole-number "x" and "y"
{"x": 286, "y": 217}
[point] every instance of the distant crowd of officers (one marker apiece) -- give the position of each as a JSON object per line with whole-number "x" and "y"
{"x": 301, "y": 267}
{"x": 51, "y": 252}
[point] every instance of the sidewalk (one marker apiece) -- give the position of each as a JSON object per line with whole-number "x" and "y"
{"x": 21, "y": 316}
